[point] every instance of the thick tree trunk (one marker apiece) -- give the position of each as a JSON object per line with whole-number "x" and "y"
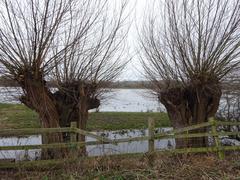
{"x": 73, "y": 102}
{"x": 82, "y": 121}
{"x": 188, "y": 106}
{"x": 179, "y": 114}
{"x": 38, "y": 98}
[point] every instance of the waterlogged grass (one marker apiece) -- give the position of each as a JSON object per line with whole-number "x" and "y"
{"x": 125, "y": 120}
{"x": 19, "y": 116}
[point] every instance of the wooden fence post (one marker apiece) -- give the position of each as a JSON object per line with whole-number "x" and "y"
{"x": 151, "y": 132}
{"x": 73, "y": 135}
{"x": 73, "y": 138}
{"x": 216, "y": 138}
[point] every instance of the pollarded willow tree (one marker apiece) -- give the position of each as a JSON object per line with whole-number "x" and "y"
{"x": 93, "y": 62}
{"x": 28, "y": 30}
{"x": 73, "y": 41}
{"x": 188, "y": 48}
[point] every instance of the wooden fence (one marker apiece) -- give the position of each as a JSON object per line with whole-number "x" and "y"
{"x": 152, "y": 135}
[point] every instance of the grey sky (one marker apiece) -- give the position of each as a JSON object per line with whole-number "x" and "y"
{"x": 136, "y": 9}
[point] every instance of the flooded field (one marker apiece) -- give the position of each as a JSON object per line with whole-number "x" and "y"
{"x": 119, "y": 100}
{"x": 92, "y": 150}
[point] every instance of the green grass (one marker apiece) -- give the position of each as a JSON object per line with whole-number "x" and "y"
{"x": 125, "y": 120}
{"x": 19, "y": 116}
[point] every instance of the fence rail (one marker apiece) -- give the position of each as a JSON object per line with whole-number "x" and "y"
{"x": 176, "y": 134}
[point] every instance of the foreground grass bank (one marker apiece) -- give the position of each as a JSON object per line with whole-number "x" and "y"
{"x": 19, "y": 116}
{"x": 189, "y": 167}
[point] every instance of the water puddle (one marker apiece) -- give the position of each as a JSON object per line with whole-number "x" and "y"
{"x": 20, "y": 154}
{"x": 92, "y": 150}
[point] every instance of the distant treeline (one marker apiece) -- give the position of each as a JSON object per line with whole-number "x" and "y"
{"x": 7, "y": 82}
{"x": 130, "y": 84}
{"x": 227, "y": 86}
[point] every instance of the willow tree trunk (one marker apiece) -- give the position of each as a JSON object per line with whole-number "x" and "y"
{"x": 38, "y": 98}
{"x": 82, "y": 121}
{"x": 188, "y": 106}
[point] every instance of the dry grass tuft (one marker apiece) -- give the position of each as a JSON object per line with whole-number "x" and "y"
{"x": 177, "y": 167}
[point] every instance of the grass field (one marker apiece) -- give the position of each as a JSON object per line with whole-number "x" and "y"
{"x": 19, "y": 116}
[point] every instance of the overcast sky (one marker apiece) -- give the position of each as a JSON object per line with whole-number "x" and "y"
{"x": 136, "y": 8}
